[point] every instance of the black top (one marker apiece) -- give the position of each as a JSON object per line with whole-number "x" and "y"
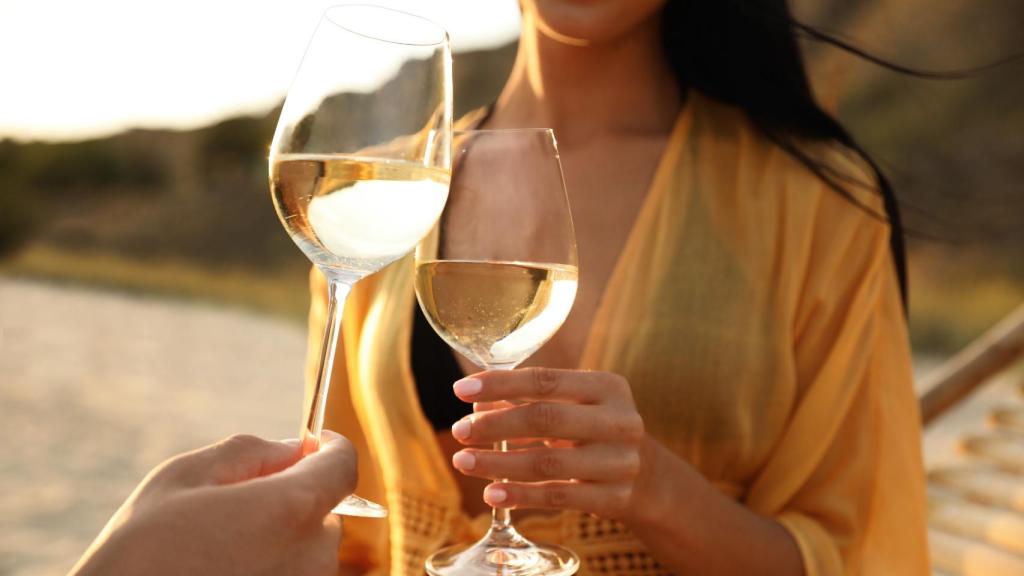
{"x": 433, "y": 363}
{"x": 435, "y": 370}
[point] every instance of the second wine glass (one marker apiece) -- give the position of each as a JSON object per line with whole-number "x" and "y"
{"x": 360, "y": 161}
{"x": 496, "y": 280}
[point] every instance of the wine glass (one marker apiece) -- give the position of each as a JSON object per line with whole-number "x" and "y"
{"x": 496, "y": 280}
{"x": 361, "y": 159}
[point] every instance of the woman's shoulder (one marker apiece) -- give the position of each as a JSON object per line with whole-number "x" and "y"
{"x": 815, "y": 169}
{"x": 844, "y": 178}
{"x": 811, "y": 229}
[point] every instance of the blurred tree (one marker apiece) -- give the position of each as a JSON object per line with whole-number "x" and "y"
{"x": 18, "y": 215}
{"x": 234, "y": 141}
{"x": 96, "y": 165}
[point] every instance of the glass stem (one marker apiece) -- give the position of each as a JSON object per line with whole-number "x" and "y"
{"x": 501, "y": 518}
{"x": 337, "y": 292}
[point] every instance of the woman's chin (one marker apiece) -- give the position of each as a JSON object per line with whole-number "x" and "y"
{"x": 590, "y": 22}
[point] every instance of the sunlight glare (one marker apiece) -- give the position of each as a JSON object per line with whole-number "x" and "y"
{"x": 85, "y": 69}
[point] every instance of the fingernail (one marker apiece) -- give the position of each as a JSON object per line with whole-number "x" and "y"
{"x": 291, "y": 441}
{"x": 464, "y": 460}
{"x": 327, "y": 436}
{"x": 461, "y": 429}
{"x": 495, "y": 495}
{"x": 468, "y": 387}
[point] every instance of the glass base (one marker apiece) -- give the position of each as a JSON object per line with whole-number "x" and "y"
{"x": 356, "y": 506}
{"x": 503, "y": 553}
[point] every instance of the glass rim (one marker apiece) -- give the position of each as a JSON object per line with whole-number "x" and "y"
{"x": 471, "y": 133}
{"x": 485, "y": 131}
{"x": 441, "y": 30}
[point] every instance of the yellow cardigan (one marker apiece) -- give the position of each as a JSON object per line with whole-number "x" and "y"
{"x": 756, "y": 315}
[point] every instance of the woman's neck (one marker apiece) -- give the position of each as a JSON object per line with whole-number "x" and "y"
{"x": 583, "y": 92}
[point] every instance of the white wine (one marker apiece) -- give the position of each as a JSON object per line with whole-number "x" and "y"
{"x": 356, "y": 215}
{"x": 495, "y": 313}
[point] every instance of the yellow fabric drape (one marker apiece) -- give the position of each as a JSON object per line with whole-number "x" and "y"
{"x": 755, "y": 313}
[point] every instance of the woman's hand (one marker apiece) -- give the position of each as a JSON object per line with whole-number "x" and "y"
{"x": 595, "y": 456}
{"x": 245, "y": 506}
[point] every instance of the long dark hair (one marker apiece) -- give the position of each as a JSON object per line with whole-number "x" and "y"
{"x": 745, "y": 53}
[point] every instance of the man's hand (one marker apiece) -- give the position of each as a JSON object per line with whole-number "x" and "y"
{"x": 244, "y": 506}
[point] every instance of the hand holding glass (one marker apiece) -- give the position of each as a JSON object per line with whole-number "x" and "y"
{"x": 496, "y": 280}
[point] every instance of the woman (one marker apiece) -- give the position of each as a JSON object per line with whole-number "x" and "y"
{"x": 735, "y": 376}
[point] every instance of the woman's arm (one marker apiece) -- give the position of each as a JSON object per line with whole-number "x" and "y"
{"x": 613, "y": 469}
{"x": 691, "y": 527}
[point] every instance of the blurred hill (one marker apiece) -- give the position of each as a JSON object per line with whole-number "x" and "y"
{"x": 174, "y": 211}
{"x": 188, "y": 212}
{"x": 201, "y": 195}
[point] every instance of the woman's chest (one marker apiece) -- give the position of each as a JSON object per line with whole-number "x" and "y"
{"x": 607, "y": 189}
{"x": 697, "y": 323}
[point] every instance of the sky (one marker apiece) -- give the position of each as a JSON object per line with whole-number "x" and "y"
{"x": 73, "y": 69}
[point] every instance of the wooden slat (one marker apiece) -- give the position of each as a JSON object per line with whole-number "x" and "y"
{"x": 976, "y": 510}
{"x": 992, "y": 352}
{"x": 996, "y": 527}
{"x": 1005, "y": 452}
{"x": 1008, "y": 419}
{"x": 959, "y": 555}
{"x": 983, "y": 484}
